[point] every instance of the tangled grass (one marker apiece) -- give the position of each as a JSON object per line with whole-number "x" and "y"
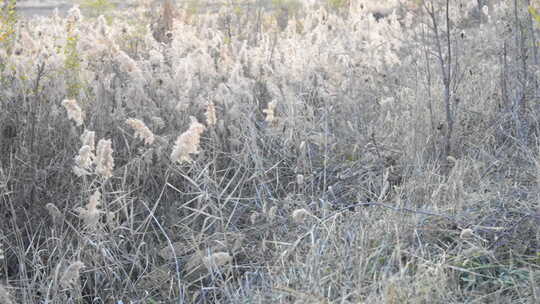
{"x": 343, "y": 152}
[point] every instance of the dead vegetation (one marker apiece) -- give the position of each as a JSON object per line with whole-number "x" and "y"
{"x": 256, "y": 156}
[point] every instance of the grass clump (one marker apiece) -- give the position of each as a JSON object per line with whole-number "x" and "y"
{"x": 247, "y": 153}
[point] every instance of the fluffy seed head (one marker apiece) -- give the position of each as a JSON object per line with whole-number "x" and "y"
{"x": 56, "y": 215}
{"x": 466, "y": 233}
{"x": 90, "y": 214}
{"x": 74, "y": 112}
{"x": 272, "y": 213}
{"x": 88, "y": 139}
{"x": 254, "y": 217}
{"x": 141, "y": 130}
{"x": 74, "y": 14}
{"x": 84, "y": 161}
{"x": 70, "y": 278}
{"x": 211, "y": 118}
{"x": 300, "y": 179}
{"x": 300, "y": 215}
{"x": 217, "y": 259}
{"x": 188, "y": 142}
{"x": 450, "y": 158}
{"x": 270, "y": 111}
{"x": 200, "y": 265}
{"x": 104, "y": 159}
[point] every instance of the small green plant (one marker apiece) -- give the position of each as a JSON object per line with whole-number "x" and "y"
{"x": 290, "y": 5}
{"x": 236, "y": 7}
{"x": 132, "y": 41}
{"x": 193, "y": 7}
{"x": 338, "y": 4}
{"x": 72, "y": 63}
{"x": 8, "y": 22}
{"x": 285, "y": 10}
{"x": 99, "y": 7}
{"x": 534, "y": 13}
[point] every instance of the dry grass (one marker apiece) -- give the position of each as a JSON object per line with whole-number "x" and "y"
{"x": 274, "y": 158}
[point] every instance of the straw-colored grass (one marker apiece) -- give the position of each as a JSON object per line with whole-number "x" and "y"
{"x": 272, "y": 152}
